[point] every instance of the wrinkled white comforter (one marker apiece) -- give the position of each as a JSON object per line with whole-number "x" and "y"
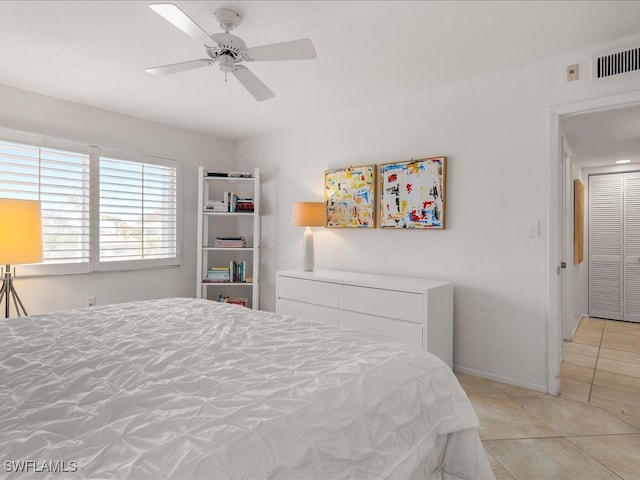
{"x": 186, "y": 388}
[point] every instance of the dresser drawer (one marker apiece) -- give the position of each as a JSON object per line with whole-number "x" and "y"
{"x": 383, "y": 303}
{"x": 397, "y": 330}
{"x": 408, "y": 310}
{"x": 308, "y": 291}
{"x": 307, "y": 311}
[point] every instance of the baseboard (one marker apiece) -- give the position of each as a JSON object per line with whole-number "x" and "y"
{"x": 497, "y": 378}
{"x": 577, "y": 324}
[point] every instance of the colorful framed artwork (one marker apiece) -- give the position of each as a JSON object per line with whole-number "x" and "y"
{"x": 350, "y": 195}
{"x": 412, "y": 193}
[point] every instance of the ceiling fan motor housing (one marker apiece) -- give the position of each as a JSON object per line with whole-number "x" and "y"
{"x": 227, "y": 44}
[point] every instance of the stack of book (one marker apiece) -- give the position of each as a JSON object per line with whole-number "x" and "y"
{"x": 216, "y": 206}
{"x": 230, "y": 242}
{"x": 235, "y": 272}
{"x": 218, "y": 275}
{"x": 244, "y": 205}
{"x": 236, "y": 300}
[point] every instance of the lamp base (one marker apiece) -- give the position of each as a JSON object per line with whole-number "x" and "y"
{"x": 9, "y": 291}
{"x": 307, "y": 251}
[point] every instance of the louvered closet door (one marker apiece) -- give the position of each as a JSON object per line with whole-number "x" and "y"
{"x": 605, "y": 246}
{"x": 632, "y": 247}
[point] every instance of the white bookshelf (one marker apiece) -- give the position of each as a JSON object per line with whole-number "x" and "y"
{"x": 214, "y": 223}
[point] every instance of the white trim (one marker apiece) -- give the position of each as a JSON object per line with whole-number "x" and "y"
{"x": 141, "y": 263}
{"x": 567, "y": 244}
{"x": 94, "y": 208}
{"x": 554, "y": 249}
{"x": 498, "y": 378}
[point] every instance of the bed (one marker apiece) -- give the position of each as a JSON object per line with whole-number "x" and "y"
{"x": 189, "y": 388}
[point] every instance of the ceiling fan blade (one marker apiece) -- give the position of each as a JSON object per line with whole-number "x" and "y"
{"x": 181, "y": 20}
{"x": 293, "y": 50}
{"x": 252, "y": 83}
{"x": 180, "y": 67}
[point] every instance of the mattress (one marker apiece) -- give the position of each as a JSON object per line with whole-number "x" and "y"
{"x": 190, "y": 388}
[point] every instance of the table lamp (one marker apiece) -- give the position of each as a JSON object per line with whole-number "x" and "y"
{"x": 20, "y": 242}
{"x": 309, "y": 214}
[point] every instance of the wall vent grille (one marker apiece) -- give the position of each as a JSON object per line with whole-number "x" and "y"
{"x": 617, "y": 62}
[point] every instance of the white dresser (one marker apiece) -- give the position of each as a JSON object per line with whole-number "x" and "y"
{"x": 411, "y": 310}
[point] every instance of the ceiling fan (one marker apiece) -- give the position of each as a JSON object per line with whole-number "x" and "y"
{"x": 229, "y": 51}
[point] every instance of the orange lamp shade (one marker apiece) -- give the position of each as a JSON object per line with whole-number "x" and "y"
{"x": 309, "y": 214}
{"x": 20, "y": 231}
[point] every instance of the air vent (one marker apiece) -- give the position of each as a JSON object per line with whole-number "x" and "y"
{"x": 616, "y": 62}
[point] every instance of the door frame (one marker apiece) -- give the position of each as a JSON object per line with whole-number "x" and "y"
{"x": 567, "y": 289}
{"x": 556, "y": 204}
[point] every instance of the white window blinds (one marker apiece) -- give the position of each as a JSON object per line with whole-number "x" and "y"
{"x": 60, "y": 180}
{"x": 138, "y": 211}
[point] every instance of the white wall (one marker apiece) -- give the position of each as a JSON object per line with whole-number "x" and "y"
{"x": 494, "y": 138}
{"x": 495, "y": 132}
{"x": 26, "y": 111}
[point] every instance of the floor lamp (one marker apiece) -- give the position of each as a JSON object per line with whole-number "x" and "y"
{"x": 20, "y": 242}
{"x": 309, "y": 214}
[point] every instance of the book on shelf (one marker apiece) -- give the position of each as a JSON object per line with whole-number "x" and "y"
{"x": 234, "y": 273}
{"x": 234, "y": 300}
{"x": 244, "y": 205}
{"x": 218, "y": 275}
{"x": 230, "y": 203}
{"x": 230, "y": 174}
{"x": 216, "y": 206}
{"x": 230, "y": 242}
{"x": 237, "y": 301}
{"x": 237, "y": 271}
{"x": 230, "y": 200}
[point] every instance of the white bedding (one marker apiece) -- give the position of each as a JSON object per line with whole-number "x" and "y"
{"x": 186, "y": 388}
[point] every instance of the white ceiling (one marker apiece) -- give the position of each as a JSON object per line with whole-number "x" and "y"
{"x": 602, "y": 137}
{"x": 95, "y": 53}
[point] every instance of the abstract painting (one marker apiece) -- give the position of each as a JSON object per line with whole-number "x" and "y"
{"x": 412, "y": 193}
{"x": 350, "y": 197}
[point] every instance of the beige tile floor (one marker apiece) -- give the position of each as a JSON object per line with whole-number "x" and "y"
{"x": 589, "y": 432}
{"x": 533, "y": 436}
{"x": 601, "y": 366}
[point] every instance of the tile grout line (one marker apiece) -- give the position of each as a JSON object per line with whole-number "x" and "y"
{"x": 593, "y": 458}
{"x": 595, "y": 367}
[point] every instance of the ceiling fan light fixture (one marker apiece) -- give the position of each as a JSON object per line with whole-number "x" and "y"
{"x": 226, "y": 63}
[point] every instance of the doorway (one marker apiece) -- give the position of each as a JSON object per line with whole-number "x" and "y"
{"x": 560, "y": 305}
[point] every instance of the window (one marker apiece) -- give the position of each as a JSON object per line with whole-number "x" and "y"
{"x": 138, "y": 211}
{"x": 98, "y": 212}
{"x": 60, "y": 180}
